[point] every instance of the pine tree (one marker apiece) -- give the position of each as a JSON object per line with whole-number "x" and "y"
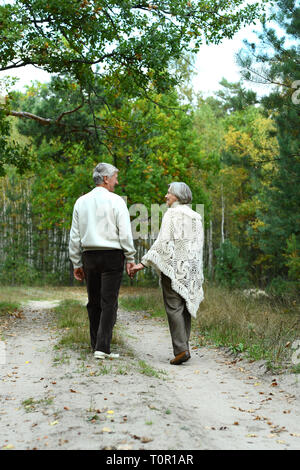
{"x": 276, "y": 60}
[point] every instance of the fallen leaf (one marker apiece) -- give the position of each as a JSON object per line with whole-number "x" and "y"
{"x": 251, "y": 435}
{"x": 106, "y": 430}
{"x": 144, "y": 440}
{"x": 66, "y": 408}
{"x": 8, "y": 447}
{"x": 124, "y": 447}
{"x": 53, "y": 423}
{"x": 236, "y": 423}
{"x": 72, "y": 391}
{"x": 110, "y": 412}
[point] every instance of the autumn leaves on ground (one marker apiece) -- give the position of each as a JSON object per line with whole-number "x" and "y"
{"x": 238, "y": 391}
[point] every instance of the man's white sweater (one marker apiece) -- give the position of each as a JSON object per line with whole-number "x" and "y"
{"x": 100, "y": 221}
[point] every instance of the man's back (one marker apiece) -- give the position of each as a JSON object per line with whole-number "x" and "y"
{"x": 100, "y": 221}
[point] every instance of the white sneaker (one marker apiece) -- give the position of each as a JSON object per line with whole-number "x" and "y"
{"x": 99, "y": 355}
{"x": 103, "y": 355}
{"x": 113, "y": 355}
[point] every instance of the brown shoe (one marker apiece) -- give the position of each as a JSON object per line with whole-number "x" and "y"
{"x": 181, "y": 357}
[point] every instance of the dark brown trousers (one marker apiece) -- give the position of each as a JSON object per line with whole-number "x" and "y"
{"x": 179, "y": 318}
{"x": 103, "y": 271}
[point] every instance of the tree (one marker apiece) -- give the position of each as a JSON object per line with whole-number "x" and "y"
{"x": 276, "y": 60}
{"x": 127, "y": 45}
{"x": 235, "y": 97}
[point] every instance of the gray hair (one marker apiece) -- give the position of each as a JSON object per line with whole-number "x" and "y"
{"x": 103, "y": 169}
{"x": 181, "y": 191}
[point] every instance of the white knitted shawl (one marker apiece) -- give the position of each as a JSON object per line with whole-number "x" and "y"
{"x": 177, "y": 252}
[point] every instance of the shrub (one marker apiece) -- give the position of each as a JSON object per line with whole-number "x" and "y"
{"x": 230, "y": 267}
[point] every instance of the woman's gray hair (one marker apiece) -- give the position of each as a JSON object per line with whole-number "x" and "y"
{"x": 181, "y": 191}
{"x": 103, "y": 169}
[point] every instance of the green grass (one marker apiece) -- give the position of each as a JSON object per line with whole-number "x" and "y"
{"x": 148, "y": 370}
{"x": 151, "y": 303}
{"x": 72, "y": 319}
{"x": 30, "y": 405}
{"x": 262, "y": 328}
{"x": 8, "y": 307}
{"x": 256, "y": 328}
{"x": 25, "y": 293}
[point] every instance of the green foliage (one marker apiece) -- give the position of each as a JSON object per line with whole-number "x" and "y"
{"x": 230, "y": 267}
{"x": 293, "y": 258}
{"x": 235, "y": 97}
{"x": 70, "y": 36}
{"x": 11, "y": 152}
{"x": 279, "y": 208}
{"x": 101, "y": 54}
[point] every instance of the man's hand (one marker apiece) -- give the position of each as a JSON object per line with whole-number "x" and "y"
{"x": 79, "y": 274}
{"x": 129, "y": 266}
{"x": 135, "y": 268}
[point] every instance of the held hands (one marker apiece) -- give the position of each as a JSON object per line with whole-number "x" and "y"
{"x": 133, "y": 268}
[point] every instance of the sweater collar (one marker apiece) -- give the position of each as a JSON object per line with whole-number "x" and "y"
{"x": 100, "y": 187}
{"x": 175, "y": 204}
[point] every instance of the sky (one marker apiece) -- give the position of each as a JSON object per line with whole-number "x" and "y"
{"x": 213, "y": 62}
{"x": 217, "y": 61}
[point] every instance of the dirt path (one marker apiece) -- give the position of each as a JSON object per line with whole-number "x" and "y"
{"x": 55, "y": 399}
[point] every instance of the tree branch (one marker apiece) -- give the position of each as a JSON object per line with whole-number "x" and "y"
{"x": 57, "y": 121}
{"x": 48, "y": 121}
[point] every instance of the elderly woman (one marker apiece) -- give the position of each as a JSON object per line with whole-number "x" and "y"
{"x": 177, "y": 257}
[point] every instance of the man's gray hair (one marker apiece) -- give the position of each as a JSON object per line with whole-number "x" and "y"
{"x": 103, "y": 169}
{"x": 181, "y": 191}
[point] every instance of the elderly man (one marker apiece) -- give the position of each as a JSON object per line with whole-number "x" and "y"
{"x": 100, "y": 242}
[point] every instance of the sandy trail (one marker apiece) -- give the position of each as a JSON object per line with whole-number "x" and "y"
{"x": 54, "y": 398}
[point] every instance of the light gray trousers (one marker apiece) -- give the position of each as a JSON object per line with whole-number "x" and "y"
{"x": 178, "y": 316}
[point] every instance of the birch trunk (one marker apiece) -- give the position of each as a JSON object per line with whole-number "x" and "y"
{"x": 223, "y": 216}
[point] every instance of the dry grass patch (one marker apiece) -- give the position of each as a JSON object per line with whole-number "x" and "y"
{"x": 261, "y": 328}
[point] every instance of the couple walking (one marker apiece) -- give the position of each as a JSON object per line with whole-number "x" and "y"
{"x": 101, "y": 242}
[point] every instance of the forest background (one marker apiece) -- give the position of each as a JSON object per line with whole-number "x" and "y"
{"x": 117, "y": 95}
